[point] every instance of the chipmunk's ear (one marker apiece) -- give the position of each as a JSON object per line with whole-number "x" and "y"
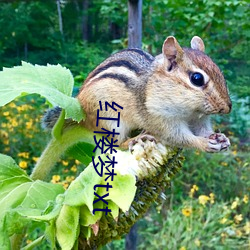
{"x": 197, "y": 43}
{"x": 171, "y": 49}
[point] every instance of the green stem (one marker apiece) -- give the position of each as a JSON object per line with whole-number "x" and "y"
{"x": 16, "y": 240}
{"x": 58, "y": 146}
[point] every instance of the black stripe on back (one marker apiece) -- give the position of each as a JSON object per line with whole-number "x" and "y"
{"x": 118, "y": 77}
{"x": 142, "y": 53}
{"x": 118, "y": 63}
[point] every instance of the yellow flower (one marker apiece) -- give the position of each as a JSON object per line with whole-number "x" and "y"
{"x": 70, "y": 178}
{"x": 224, "y": 164}
{"x": 14, "y": 123}
{"x": 197, "y": 242}
{"x": 183, "y": 248}
{"x": 29, "y": 124}
{"x": 245, "y": 199}
{"x": 235, "y": 203}
{"x": 12, "y": 105}
{"x": 19, "y": 108}
{"x": 73, "y": 168}
{"x": 238, "y": 159}
{"x": 23, "y": 107}
{"x": 247, "y": 227}
{"x": 238, "y": 218}
{"x": 203, "y": 199}
{"x": 6, "y": 141}
{"x": 225, "y": 207}
{"x": 193, "y": 190}
{"x": 23, "y": 164}
{"x": 6, "y": 113}
{"x": 65, "y": 163}
{"x": 55, "y": 178}
{"x": 6, "y": 149}
{"x": 234, "y": 152}
{"x": 24, "y": 154}
{"x": 77, "y": 162}
{"x": 187, "y": 211}
{"x": 223, "y": 235}
{"x": 211, "y": 195}
{"x": 4, "y": 134}
{"x": 35, "y": 159}
{"x": 223, "y": 220}
{"x": 238, "y": 233}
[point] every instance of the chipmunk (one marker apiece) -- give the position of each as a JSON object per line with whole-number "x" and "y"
{"x": 170, "y": 96}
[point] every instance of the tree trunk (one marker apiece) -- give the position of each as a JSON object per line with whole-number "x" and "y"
{"x": 134, "y": 41}
{"x": 135, "y": 23}
{"x": 59, "y": 16}
{"x": 85, "y": 23}
{"x": 131, "y": 238}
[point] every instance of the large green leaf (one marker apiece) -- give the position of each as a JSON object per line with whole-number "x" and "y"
{"x": 123, "y": 191}
{"x": 82, "y": 151}
{"x": 47, "y": 215}
{"x": 17, "y": 189}
{"x": 50, "y": 233}
{"x": 114, "y": 209}
{"x": 22, "y": 198}
{"x": 67, "y": 226}
{"x": 6, "y": 186}
{"x": 89, "y": 220}
{"x": 80, "y": 191}
{"x": 39, "y": 194}
{"x": 9, "y": 168}
{"x": 9, "y": 202}
{"x": 4, "y": 240}
{"x": 53, "y": 82}
{"x": 24, "y": 201}
{"x": 39, "y": 199}
{"x": 14, "y": 198}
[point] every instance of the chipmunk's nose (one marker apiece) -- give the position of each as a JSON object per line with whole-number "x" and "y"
{"x": 227, "y": 108}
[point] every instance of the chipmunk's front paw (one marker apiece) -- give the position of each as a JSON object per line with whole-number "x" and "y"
{"x": 141, "y": 139}
{"x": 217, "y": 142}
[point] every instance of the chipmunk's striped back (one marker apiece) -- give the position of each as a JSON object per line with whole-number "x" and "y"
{"x": 124, "y": 66}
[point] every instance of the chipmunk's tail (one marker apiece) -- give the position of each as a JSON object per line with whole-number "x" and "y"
{"x": 50, "y": 117}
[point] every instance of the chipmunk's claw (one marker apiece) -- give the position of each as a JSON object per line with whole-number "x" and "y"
{"x": 218, "y": 142}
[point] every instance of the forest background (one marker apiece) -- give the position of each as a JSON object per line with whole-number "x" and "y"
{"x": 207, "y": 205}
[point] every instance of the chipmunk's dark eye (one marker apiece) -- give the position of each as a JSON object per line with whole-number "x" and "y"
{"x": 197, "y": 79}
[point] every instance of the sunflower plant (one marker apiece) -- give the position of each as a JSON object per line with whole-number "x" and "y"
{"x": 72, "y": 218}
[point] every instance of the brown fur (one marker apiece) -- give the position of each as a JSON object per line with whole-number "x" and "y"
{"x": 157, "y": 96}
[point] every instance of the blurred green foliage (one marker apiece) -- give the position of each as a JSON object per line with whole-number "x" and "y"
{"x": 30, "y": 32}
